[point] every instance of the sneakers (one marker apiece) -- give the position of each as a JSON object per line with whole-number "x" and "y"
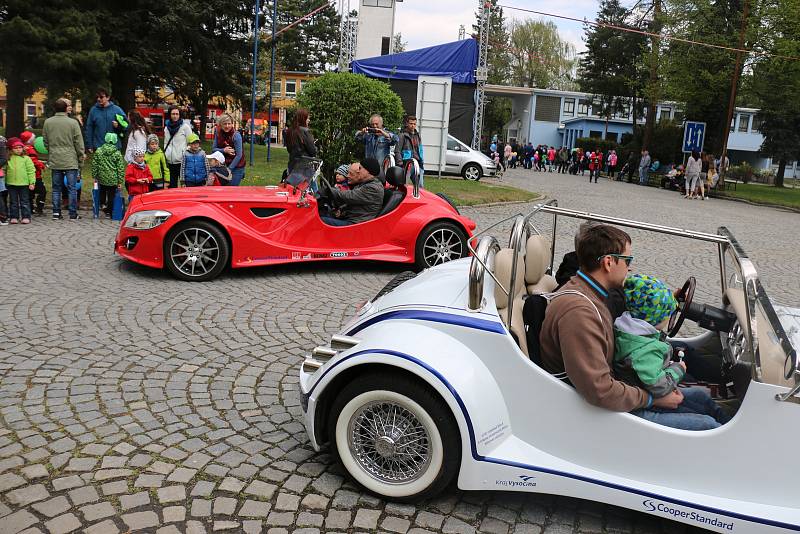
{"x": 3, "y": 222}
{"x": 26, "y": 221}
{"x": 14, "y": 221}
{"x": 74, "y": 217}
{"x": 57, "y": 217}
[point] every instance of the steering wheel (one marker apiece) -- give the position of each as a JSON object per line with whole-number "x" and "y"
{"x": 324, "y": 187}
{"x": 684, "y": 297}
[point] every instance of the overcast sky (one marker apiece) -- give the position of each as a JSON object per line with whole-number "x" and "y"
{"x": 430, "y": 22}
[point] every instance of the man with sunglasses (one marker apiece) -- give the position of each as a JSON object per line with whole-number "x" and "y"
{"x": 577, "y": 336}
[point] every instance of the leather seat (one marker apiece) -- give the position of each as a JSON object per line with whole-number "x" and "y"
{"x": 537, "y": 259}
{"x": 502, "y": 270}
{"x": 393, "y": 195}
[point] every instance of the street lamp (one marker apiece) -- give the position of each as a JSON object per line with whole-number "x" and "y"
{"x": 271, "y": 78}
{"x": 253, "y": 88}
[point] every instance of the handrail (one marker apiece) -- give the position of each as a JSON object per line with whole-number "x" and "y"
{"x": 409, "y": 165}
{"x": 481, "y": 264}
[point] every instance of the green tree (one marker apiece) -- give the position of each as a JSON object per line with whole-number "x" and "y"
{"x": 611, "y": 68}
{"x": 539, "y": 56}
{"x": 309, "y": 46}
{"x": 54, "y": 45}
{"x": 776, "y": 84}
{"x": 398, "y": 44}
{"x": 339, "y": 104}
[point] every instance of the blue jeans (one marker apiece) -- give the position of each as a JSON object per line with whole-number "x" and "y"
{"x": 20, "y": 203}
{"x": 643, "y": 175}
{"x": 237, "y": 175}
{"x": 58, "y": 185}
{"x": 332, "y": 221}
{"x": 698, "y": 411}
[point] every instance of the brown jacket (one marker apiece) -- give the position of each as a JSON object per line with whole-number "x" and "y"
{"x": 574, "y": 340}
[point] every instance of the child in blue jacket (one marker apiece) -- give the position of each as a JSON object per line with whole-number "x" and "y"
{"x": 194, "y": 165}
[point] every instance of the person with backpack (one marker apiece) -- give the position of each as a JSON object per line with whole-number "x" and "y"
{"x": 176, "y": 131}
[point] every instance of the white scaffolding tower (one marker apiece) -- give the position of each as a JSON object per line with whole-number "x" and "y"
{"x": 482, "y": 71}
{"x": 462, "y": 32}
{"x": 348, "y": 35}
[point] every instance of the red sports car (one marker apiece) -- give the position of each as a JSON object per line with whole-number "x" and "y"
{"x": 196, "y": 232}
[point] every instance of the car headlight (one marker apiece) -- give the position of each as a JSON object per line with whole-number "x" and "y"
{"x": 146, "y": 220}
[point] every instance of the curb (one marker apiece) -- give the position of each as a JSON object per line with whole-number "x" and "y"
{"x": 763, "y": 204}
{"x": 509, "y": 203}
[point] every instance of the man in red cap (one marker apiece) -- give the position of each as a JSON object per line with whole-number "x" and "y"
{"x": 39, "y": 193}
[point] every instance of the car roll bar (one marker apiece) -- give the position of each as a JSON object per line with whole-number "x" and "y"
{"x": 412, "y": 175}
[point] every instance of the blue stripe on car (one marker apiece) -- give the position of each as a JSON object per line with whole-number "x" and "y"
{"x": 433, "y": 316}
{"x": 546, "y": 470}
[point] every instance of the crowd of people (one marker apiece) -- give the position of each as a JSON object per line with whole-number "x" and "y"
{"x": 125, "y": 154}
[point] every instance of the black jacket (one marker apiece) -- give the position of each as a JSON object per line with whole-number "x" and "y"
{"x": 304, "y": 147}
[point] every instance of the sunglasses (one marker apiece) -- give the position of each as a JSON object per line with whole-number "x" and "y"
{"x": 627, "y": 259}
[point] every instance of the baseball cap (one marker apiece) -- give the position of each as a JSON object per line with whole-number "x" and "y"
{"x": 192, "y": 138}
{"x": 217, "y": 156}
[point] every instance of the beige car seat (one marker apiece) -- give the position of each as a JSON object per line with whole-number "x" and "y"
{"x": 537, "y": 259}
{"x": 503, "y": 261}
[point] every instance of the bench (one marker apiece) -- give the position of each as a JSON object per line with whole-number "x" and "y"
{"x": 730, "y": 182}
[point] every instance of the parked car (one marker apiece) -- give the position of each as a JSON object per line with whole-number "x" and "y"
{"x": 196, "y": 232}
{"x": 469, "y": 163}
{"x": 428, "y": 384}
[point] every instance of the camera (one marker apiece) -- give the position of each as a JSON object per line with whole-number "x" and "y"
{"x": 373, "y": 130}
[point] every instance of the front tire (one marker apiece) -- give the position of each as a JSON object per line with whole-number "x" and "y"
{"x": 196, "y": 251}
{"x": 439, "y": 243}
{"x": 395, "y": 437}
{"x": 472, "y": 172}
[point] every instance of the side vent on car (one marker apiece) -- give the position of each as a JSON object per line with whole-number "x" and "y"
{"x": 263, "y": 213}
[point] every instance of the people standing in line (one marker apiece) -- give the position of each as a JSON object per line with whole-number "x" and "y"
{"x": 376, "y": 140}
{"x": 154, "y": 157}
{"x": 39, "y": 194}
{"x": 137, "y": 175}
{"x": 176, "y": 131}
{"x": 20, "y": 181}
{"x": 644, "y": 166}
{"x": 104, "y": 117}
{"x": 299, "y": 140}
{"x": 64, "y": 142}
{"x": 108, "y": 172}
{"x": 693, "y": 168}
{"x": 137, "y": 135}
{"x": 194, "y": 165}
{"x": 409, "y": 146}
{"x": 612, "y": 164}
{"x": 229, "y": 141}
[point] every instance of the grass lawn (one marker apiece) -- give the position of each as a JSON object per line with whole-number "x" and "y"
{"x": 460, "y": 191}
{"x": 766, "y": 194}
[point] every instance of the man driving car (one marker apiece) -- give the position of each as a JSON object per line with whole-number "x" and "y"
{"x": 577, "y": 337}
{"x": 364, "y": 199}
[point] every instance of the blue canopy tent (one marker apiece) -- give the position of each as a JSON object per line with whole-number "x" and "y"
{"x": 458, "y": 60}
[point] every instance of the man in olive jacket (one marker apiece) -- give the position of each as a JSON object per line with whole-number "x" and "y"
{"x": 64, "y": 142}
{"x": 363, "y": 201}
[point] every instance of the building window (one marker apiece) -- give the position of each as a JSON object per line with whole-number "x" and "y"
{"x": 664, "y": 113}
{"x": 756, "y": 126}
{"x": 679, "y": 116}
{"x": 156, "y": 120}
{"x": 386, "y": 42}
{"x": 569, "y": 107}
{"x": 291, "y": 87}
{"x": 276, "y": 90}
{"x": 548, "y": 108}
{"x": 583, "y": 107}
{"x": 30, "y": 110}
{"x": 378, "y": 3}
{"x": 744, "y": 123}
{"x": 733, "y": 123}
{"x": 595, "y": 134}
{"x": 611, "y": 136}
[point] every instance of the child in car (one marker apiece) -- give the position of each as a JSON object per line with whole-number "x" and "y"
{"x": 642, "y": 357}
{"x": 340, "y": 176}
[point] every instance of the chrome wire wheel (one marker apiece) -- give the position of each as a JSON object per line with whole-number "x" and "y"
{"x": 442, "y": 245}
{"x": 389, "y": 442}
{"x": 194, "y": 252}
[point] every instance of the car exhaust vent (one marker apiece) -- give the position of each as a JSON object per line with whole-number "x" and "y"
{"x": 323, "y": 354}
{"x": 340, "y": 342}
{"x": 264, "y": 213}
{"x": 311, "y": 366}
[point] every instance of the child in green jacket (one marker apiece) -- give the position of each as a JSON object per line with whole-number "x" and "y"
{"x": 154, "y": 157}
{"x": 642, "y": 359}
{"x": 108, "y": 171}
{"x": 20, "y": 180}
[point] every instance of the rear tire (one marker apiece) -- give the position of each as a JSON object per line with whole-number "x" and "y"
{"x": 472, "y": 172}
{"x": 439, "y": 243}
{"x": 196, "y": 251}
{"x": 395, "y": 437}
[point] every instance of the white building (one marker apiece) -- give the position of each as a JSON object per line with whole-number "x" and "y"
{"x": 375, "y": 27}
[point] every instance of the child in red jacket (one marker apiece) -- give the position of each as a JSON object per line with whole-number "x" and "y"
{"x": 137, "y": 175}
{"x": 39, "y": 193}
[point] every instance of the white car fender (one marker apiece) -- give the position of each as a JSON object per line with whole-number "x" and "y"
{"x": 447, "y": 365}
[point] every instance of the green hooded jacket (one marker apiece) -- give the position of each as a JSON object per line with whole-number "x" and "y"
{"x": 108, "y": 165}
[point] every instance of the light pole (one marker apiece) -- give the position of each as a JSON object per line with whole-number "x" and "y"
{"x": 271, "y": 78}
{"x": 253, "y": 89}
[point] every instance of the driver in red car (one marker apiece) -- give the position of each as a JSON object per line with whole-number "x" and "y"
{"x": 364, "y": 199}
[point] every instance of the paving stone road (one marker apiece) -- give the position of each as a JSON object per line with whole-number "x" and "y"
{"x": 130, "y": 401}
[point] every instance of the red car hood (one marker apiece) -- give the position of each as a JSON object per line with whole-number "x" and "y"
{"x": 216, "y": 194}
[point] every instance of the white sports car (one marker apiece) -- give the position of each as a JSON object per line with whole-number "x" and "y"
{"x": 429, "y": 382}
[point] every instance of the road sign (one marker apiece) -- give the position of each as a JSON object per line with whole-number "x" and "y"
{"x": 694, "y": 134}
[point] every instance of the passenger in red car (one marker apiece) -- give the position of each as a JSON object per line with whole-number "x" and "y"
{"x": 364, "y": 199}
{"x": 137, "y": 175}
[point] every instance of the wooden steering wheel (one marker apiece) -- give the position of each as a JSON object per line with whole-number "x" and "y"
{"x": 684, "y": 297}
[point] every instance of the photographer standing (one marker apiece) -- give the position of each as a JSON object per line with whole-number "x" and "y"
{"x": 377, "y": 141}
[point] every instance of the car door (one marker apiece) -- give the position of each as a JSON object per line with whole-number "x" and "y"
{"x": 454, "y": 156}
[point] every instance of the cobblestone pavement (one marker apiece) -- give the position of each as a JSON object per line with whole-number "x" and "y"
{"x": 130, "y": 401}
